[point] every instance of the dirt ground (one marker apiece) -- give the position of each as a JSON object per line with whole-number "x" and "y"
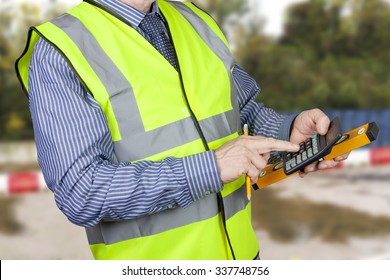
{"x": 339, "y": 214}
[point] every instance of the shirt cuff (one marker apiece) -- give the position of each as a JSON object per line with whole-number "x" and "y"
{"x": 286, "y": 126}
{"x": 202, "y": 174}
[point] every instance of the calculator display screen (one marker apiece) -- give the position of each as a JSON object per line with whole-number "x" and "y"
{"x": 334, "y": 131}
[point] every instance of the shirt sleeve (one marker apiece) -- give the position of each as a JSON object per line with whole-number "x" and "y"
{"x": 261, "y": 120}
{"x": 75, "y": 153}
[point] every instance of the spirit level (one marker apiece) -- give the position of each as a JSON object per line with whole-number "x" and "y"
{"x": 351, "y": 140}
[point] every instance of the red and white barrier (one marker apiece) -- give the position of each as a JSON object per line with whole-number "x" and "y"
{"x": 380, "y": 155}
{"x": 364, "y": 157}
{"x": 21, "y": 182}
{"x": 33, "y": 181}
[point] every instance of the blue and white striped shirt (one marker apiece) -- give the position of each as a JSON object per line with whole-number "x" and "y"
{"x": 75, "y": 150}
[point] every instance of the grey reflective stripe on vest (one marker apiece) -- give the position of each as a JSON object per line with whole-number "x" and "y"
{"x": 235, "y": 202}
{"x": 134, "y": 137}
{"x": 206, "y": 208}
{"x": 222, "y": 51}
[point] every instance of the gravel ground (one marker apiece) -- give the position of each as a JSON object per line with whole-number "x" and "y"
{"x": 31, "y": 226}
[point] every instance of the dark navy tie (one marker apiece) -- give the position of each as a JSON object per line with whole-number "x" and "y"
{"x": 153, "y": 27}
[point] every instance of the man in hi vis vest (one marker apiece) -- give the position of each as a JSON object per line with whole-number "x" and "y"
{"x": 138, "y": 108}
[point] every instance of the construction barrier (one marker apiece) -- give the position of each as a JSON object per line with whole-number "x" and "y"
{"x": 22, "y": 182}
{"x": 364, "y": 157}
{"x": 380, "y": 155}
{"x": 33, "y": 181}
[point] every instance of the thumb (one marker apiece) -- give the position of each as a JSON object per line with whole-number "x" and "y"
{"x": 321, "y": 121}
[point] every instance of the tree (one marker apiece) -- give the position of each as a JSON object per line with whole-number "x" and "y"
{"x": 332, "y": 55}
{"x": 315, "y": 24}
{"x": 15, "y": 118}
{"x": 372, "y": 21}
{"x": 226, "y": 13}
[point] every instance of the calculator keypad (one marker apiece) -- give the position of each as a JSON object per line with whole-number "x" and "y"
{"x": 308, "y": 149}
{"x": 312, "y": 149}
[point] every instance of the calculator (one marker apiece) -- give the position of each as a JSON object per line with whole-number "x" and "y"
{"x": 312, "y": 149}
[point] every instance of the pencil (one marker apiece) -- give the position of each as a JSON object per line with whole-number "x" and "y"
{"x": 248, "y": 179}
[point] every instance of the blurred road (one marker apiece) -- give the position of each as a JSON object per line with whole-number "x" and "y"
{"x": 338, "y": 214}
{"x": 295, "y": 219}
{"x": 36, "y": 229}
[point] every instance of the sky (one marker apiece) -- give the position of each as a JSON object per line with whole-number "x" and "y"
{"x": 273, "y": 13}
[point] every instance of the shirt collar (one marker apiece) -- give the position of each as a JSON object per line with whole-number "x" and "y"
{"x": 132, "y": 15}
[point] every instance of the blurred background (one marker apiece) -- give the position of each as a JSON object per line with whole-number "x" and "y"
{"x": 330, "y": 54}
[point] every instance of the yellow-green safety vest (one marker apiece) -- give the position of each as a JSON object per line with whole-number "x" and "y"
{"x": 154, "y": 111}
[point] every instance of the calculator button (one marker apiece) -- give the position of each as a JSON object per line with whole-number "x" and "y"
{"x": 299, "y": 159}
{"x": 304, "y": 156}
{"x": 310, "y": 152}
{"x": 291, "y": 163}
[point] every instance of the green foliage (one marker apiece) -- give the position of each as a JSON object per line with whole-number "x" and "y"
{"x": 224, "y": 12}
{"x": 332, "y": 55}
{"x": 15, "y": 120}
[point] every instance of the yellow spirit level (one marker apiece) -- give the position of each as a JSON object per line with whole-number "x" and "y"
{"x": 351, "y": 140}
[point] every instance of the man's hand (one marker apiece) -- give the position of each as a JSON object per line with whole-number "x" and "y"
{"x": 305, "y": 125}
{"x": 248, "y": 155}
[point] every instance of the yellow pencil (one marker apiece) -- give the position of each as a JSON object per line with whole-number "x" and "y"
{"x": 248, "y": 179}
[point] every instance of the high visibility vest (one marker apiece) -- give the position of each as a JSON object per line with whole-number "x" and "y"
{"x": 154, "y": 111}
